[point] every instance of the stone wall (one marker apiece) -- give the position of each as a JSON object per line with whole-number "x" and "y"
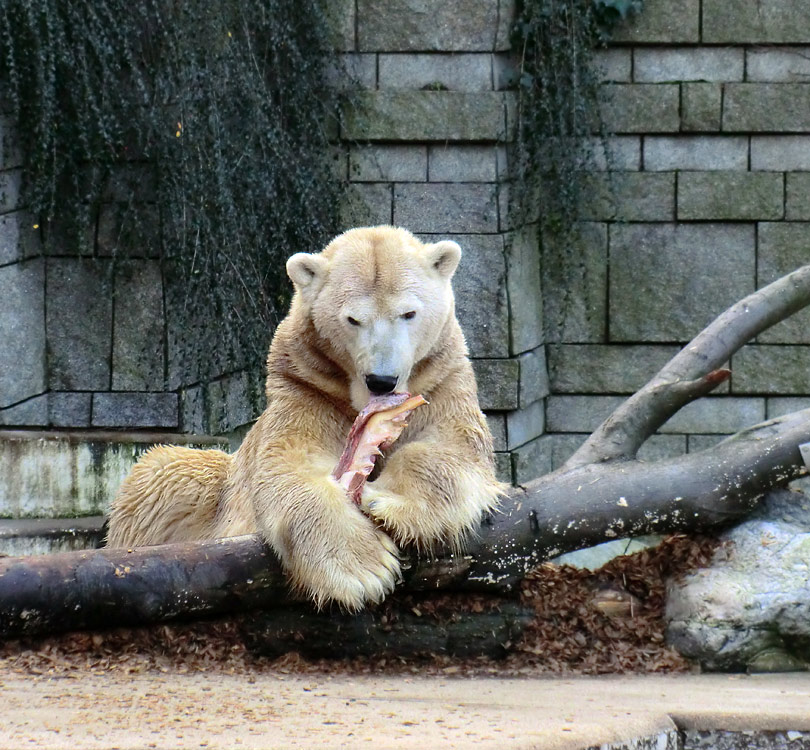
{"x": 708, "y": 199}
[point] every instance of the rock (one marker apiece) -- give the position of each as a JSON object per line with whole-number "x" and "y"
{"x": 750, "y": 610}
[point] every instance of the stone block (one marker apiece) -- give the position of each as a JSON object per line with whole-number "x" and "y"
{"x": 745, "y": 22}
{"x": 464, "y": 72}
{"x": 579, "y": 413}
{"x": 778, "y": 64}
{"x": 640, "y": 107}
{"x": 131, "y": 179}
{"x": 737, "y": 196}
{"x": 11, "y": 155}
{"x": 614, "y": 65}
{"x": 424, "y": 26}
{"x": 782, "y": 248}
{"x": 780, "y": 406}
{"x": 366, "y": 205}
{"x": 193, "y": 410}
{"x": 446, "y": 207}
{"x": 752, "y": 107}
{"x": 701, "y": 106}
{"x": 234, "y": 401}
{"x": 402, "y": 115}
{"x": 628, "y": 196}
{"x": 662, "y": 64}
{"x": 352, "y": 70}
{"x": 562, "y": 446}
{"x": 523, "y": 425}
{"x": 721, "y": 415}
{"x": 497, "y": 383}
{"x": 79, "y": 324}
{"x": 342, "y": 18}
{"x": 667, "y": 21}
{"x": 496, "y": 421}
{"x": 134, "y": 410}
{"x": 447, "y": 163}
{"x": 532, "y": 460}
{"x": 655, "y": 268}
{"x": 126, "y": 230}
{"x": 605, "y": 368}
{"x": 534, "y": 382}
{"x": 524, "y": 285}
{"x": 22, "y": 322}
{"x": 30, "y": 413}
{"x": 139, "y": 327}
{"x": 67, "y": 409}
{"x": 503, "y": 467}
{"x": 617, "y": 153}
{"x": 697, "y": 443}
{"x": 781, "y": 153}
{"x": 774, "y": 370}
{"x": 661, "y": 447}
{"x": 696, "y": 152}
{"x": 481, "y": 294}
{"x": 10, "y": 183}
{"x": 19, "y": 239}
{"x": 388, "y": 164}
{"x": 574, "y": 272}
{"x": 797, "y": 196}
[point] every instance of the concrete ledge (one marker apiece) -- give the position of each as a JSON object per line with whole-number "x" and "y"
{"x": 41, "y": 536}
{"x": 70, "y": 474}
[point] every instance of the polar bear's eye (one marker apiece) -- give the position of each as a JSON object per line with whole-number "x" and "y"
{"x": 409, "y": 315}
{"x": 353, "y": 321}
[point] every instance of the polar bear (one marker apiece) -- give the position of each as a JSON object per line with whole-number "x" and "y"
{"x": 373, "y": 313}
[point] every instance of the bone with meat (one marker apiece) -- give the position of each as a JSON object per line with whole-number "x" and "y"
{"x": 376, "y": 428}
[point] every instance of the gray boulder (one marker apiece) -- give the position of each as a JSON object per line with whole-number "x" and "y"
{"x": 750, "y": 610}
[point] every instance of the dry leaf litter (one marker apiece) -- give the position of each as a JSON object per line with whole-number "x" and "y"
{"x": 607, "y": 621}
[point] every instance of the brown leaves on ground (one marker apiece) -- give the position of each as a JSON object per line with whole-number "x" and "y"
{"x": 608, "y": 621}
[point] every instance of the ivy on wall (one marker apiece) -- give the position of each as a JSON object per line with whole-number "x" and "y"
{"x": 195, "y": 132}
{"x": 558, "y": 97}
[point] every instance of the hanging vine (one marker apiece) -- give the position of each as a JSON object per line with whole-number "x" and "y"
{"x": 560, "y": 135}
{"x": 195, "y": 132}
{"x": 558, "y": 98}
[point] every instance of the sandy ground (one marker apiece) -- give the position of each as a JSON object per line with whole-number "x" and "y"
{"x": 216, "y": 710}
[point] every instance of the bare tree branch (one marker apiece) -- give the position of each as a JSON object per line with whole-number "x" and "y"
{"x": 693, "y": 371}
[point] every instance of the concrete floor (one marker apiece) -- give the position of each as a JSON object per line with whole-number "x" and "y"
{"x": 269, "y": 710}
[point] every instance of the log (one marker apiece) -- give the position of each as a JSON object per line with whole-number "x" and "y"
{"x": 399, "y": 630}
{"x": 602, "y": 493}
{"x": 107, "y": 587}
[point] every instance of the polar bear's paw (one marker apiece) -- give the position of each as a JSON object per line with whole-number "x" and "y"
{"x": 360, "y": 567}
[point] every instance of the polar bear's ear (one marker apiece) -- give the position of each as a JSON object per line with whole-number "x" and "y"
{"x": 444, "y": 257}
{"x": 305, "y": 268}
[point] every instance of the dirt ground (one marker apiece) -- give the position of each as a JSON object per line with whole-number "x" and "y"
{"x": 218, "y": 710}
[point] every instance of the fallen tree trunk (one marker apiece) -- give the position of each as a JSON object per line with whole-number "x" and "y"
{"x": 601, "y": 493}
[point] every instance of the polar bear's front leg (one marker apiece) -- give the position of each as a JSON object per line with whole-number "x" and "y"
{"x": 431, "y": 493}
{"x": 330, "y": 550}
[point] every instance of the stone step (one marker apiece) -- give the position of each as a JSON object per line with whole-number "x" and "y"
{"x": 41, "y": 536}
{"x": 73, "y": 474}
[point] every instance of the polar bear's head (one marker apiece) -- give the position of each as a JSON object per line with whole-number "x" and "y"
{"x": 381, "y": 298}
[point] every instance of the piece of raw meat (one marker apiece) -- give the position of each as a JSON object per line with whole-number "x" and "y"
{"x": 376, "y": 427}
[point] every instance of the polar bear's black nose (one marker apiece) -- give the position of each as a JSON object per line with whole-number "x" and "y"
{"x": 381, "y": 383}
